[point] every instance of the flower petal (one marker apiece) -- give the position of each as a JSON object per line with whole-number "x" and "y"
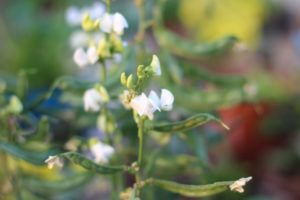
{"x": 106, "y": 23}
{"x": 92, "y": 100}
{"x": 92, "y": 55}
{"x": 102, "y": 152}
{"x": 79, "y": 39}
{"x": 73, "y": 16}
{"x": 155, "y": 65}
{"x": 166, "y": 100}
{"x": 155, "y": 100}
{"x": 97, "y": 10}
{"x": 80, "y": 58}
{"x": 119, "y": 23}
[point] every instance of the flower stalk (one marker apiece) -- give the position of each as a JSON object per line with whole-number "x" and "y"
{"x": 141, "y": 140}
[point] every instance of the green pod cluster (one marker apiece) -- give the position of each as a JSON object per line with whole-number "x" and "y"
{"x": 187, "y": 124}
{"x": 82, "y": 161}
{"x": 191, "y": 190}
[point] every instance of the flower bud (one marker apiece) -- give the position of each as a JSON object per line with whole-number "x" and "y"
{"x": 129, "y": 82}
{"x": 103, "y": 49}
{"x": 88, "y": 24}
{"x": 123, "y": 79}
{"x": 140, "y": 71}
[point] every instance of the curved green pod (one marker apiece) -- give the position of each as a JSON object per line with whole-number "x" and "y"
{"x": 191, "y": 190}
{"x": 89, "y": 165}
{"x": 187, "y": 124}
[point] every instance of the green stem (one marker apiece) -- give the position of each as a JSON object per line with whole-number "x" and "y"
{"x": 140, "y": 4}
{"x": 103, "y": 73}
{"x": 108, "y": 6}
{"x": 141, "y": 140}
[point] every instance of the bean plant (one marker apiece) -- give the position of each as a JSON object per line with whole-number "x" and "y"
{"x": 138, "y": 99}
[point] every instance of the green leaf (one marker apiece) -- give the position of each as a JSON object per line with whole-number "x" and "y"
{"x": 33, "y": 157}
{"x": 191, "y": 190}
{"x": 187, "y": 48}
{"x": 65, "y": 184}
{"x": 42, "y": 129}
{"x": 184, "y": 47}
{"x": 190, "y": 123}
{"x": 88, "y": 164}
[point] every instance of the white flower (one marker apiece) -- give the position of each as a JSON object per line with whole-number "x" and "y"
{"x": 165, "y": 102}
{"x": 106, "y": 23}
{"x": 119, "y": 23}
{"x": 92, "y": 100}
{"x": 54, "y": 161}
{"x": 82, "y": 58}
{"x": 92, "y": 55}
{"x": 102, "y": 152}
{"x": 73, "y": 16}
{"x": 155, "y": 65}
{"x": 96, "y": 11}
{"x": 79, "y": 39}
{"x": 113, "y": 23}
{"x": 144, "y": 106}
{"x": 239, "y": 184}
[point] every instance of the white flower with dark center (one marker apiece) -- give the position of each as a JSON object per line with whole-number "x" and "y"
{"x": 155, "y": 65}
{"x": 113, "y": 23}
{"x": 102, "y": 152}
{"x": 239, "y": 184}
{"x": 82, "y": 58}
{"x": 92, "y": 100}
{"x": 144, "y": 106}
{"x": 166, "y": 100}
{"x": 54, "y": 161}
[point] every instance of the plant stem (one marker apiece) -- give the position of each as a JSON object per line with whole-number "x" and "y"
{"x": 108, "y": 5}
{"x": 140, "y": 4}
{"x": 141, "y": 140}
{"x": 103, "y": 73}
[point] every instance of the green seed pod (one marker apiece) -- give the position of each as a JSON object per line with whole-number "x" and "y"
{"x": 191, "y": 190}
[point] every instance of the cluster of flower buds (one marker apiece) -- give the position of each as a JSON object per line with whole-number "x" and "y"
{"x": 101, "y": 36}
{"x": 142, "y": 104}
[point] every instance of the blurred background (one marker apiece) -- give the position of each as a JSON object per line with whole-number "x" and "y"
{"x": 264, "y": 136}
